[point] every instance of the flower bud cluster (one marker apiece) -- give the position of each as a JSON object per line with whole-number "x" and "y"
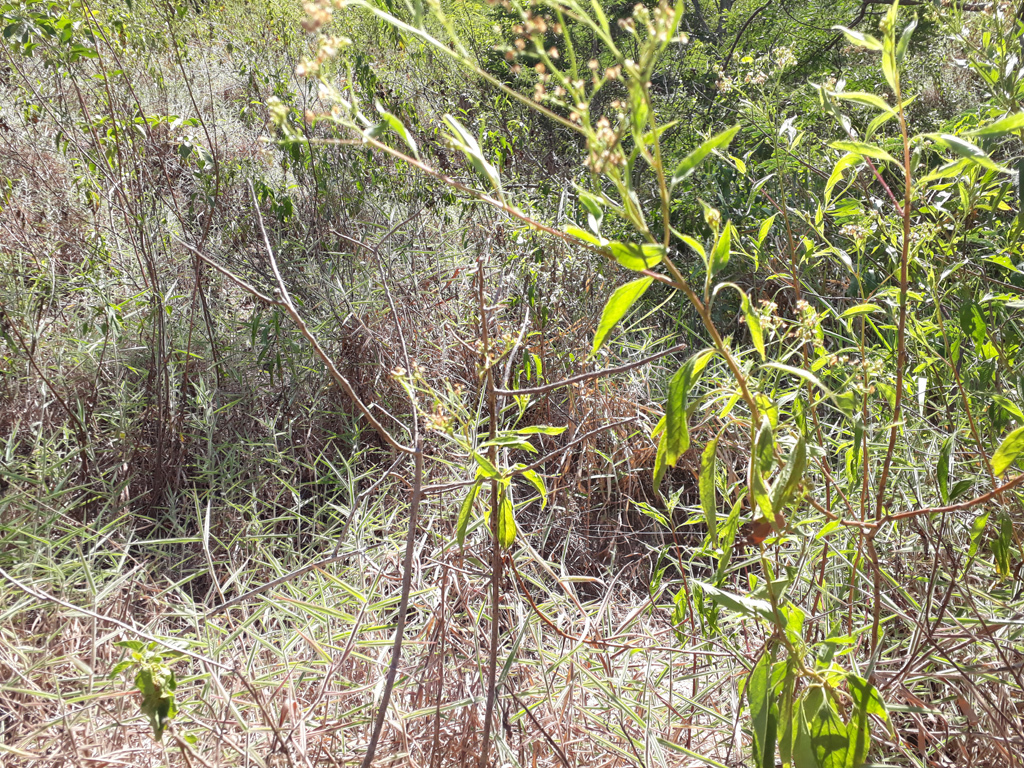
{"x": 856, "y": 232}
{"x": 755, "y": 71}
{"x": 605, "y": 148}
{"x": 808, "y": 324}
{"x": 768, "y": 316}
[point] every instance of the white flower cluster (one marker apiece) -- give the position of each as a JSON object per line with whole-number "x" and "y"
{"x": 856, "y": 232}
{"x": 755, "y": 71}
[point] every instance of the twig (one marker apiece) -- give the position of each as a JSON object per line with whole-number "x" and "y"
{"x": 403, "y": 604}
{"x": 496, "y": 562}
{"x": 1009, "y": 485}
{"x": 276, "y": 582}
{"x": 592, "y": 375}
{"x": 544, "y": 733}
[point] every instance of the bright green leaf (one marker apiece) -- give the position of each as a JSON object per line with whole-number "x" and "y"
{"x": 1006, "y": 124}
{"x": 618, "y": 304}
{"x": 506, "y": 519}
{"x": 676, "y": 429}
{"x": 1008, "y": 451}
{"x": 637, "y": 256}
{"x": 863, "y": 149}
{"x": 689, "y": 163}
{"x": 708, "y": 502}
{"x": 465, "y": 512}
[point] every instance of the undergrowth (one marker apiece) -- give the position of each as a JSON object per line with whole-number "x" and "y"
{"x": 544, "y": 384}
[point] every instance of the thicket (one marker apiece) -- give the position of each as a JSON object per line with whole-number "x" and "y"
{"x": 519, "y": 384}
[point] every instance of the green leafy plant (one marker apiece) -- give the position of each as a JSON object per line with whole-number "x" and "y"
{"x": 154, "y": 680}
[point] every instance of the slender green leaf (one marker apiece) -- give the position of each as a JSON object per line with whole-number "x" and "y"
{"x": 866, "y": 701}
{"x": 867, "y": 99}
{"x": 860, "y": 39}
{"x": 760, "y": 701}
{"x": 977, "y": 528}
{"x": 540, "y": 430}
{"x": 708, "y": 502}
{"x": 860, "y": 309}
{"x": 901, "y": 46}
{"x": 720, "y": 255}
{"x": 791, "y": 476}
{"x": 538, "y": 483}
{"x": 764, "y": 445}
{"x": 618, "y": 304}
{"x": 487, "y": 469}
{"x": 1004, "y": 125}
{"x": 942, "y": 470}
{"x": 464, "y": 141}
{"x": 398, "y": 127}
{"x": 765, "y": 228}
{"x": 828, "y": 732}
{"x": 689, "y": 163}
{"x": 865, "y": 150}
{"x": 746, "y": 606}
{"x": 676, "y": 429}
{"x": 660, "y": 463}
{"x": 964, "y": 149}
{"x": 465, "y": 511}
{"x": 506, "y": 518}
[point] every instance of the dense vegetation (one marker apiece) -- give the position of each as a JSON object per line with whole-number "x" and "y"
{"x": 556, "y": 383}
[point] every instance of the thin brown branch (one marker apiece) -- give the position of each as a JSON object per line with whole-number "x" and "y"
{"x": 588, "y": 376}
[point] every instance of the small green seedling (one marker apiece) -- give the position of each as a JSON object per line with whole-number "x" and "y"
{"x": 154, "y": 679}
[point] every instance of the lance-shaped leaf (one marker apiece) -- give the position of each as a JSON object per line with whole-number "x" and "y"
{"x": 867, "y": 99}
{"x": 660, "y": 466}
{"x": 860, "y": 39}
{"x": 764, "y": 229}
{"x": 749, "y": 315}
{"x": 790, "y": 478}
{"x": 965, "y": 149}
{"x": 863, "y": 149}
{"x": 866, "y": 702}
{"x": 788, "y": 706}
{"x": 889, "y": 66}
{"x": 637, "y": 256}
{"x": 977, "y": 528}
{"x": 689, "y": 163}
{"x": 540, "y": 429}
{"x": 759, "y": 490}
{"x": 465, "y": 512}
{"x": 942, "y": 470}
{"x": 747, "y": 606}
{"x": 677, "y": 433}
{"x": 708, "y": 502}
{"x": 848, "y": 160}
{"x": 1001, "y": 127}
{"x": 901, "y": 46}
{"x": 764, "y": 446}
{"x": 829, "y": 737}
{"x": 803, "y": 749}
{"x": 618, "y": 304}
{"x": 487, "y": 469}
{"x": 538, "y": 482}
{"x": 506, "y": 517}
{"x": 398, "y": 127}
{"x": 720, "y": 255}
{"x": 464, "y": 141}
{"x": 1008, "y": 451}
{"x": 759, "y": 696}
